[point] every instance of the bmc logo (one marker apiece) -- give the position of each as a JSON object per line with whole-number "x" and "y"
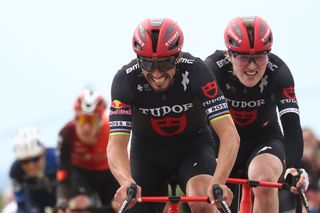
{"x": 132, "y": 68}
{"x": 186, "y": 61}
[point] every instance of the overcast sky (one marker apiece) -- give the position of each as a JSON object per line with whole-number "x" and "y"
{"x": 50, "y": 50}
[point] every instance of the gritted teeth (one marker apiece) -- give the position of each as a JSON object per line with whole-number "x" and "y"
{"x": 251, "y": 73}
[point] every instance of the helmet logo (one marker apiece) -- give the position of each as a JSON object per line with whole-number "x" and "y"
{"x": 170, "y": 41}
{"x": 234, "y": 36}
{"x": 266, "y": 35}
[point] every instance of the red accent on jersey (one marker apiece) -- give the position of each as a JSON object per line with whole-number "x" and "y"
{"x": 119, "y": 105}
{"x": 92, "y": 157}
{"x": 169, "y": 126}
{"x": 243, "y": 118}
{"x": 210, "y": 90}
{"x": 289, "y": 92}
{"x": 62, "y": 175}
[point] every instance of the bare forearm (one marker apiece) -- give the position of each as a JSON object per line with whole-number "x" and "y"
{"x": 118, "y": 160}
{"x": 229, "y": 146}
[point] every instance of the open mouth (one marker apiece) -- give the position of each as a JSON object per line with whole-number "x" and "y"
{"x": 251, "y": 73}
{"x": 158, "y": 81}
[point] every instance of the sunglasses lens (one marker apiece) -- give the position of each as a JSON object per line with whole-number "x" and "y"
{"x": 148, "y": 65}
{"x": 244, "y": 59}
{"x": 31, "y": 160}
{"x": 162, "y": 66}
{"x": 89, "y": 119}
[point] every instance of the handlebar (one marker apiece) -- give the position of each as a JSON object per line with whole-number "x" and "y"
{"x": 131, "y": 193}
{"x": 291, "y": 181}
{"x": 218, "y": 195}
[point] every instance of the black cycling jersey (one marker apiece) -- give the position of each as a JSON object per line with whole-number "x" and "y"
{"x": 169, "y": 129}
{"x": 174, "y": 115}
{"x": 254, "y": 110}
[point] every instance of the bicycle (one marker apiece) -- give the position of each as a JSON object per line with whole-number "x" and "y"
{"x": 245, "y": 203}
{"x": 247, "y": 185}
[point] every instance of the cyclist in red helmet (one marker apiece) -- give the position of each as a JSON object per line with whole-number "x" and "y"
{"x": 258, "y": 85}
{"x": 165, "y": 97}
{"x": 83, "y": 167}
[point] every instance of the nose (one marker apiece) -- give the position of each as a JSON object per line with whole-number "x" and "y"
{"x": 252, "y": 63}
{"x": 156, "y": 73}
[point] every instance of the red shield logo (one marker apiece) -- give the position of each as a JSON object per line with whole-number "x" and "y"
{"x": 289, "y": 92}
{"x": 243, "y": 118}
{"x": 169, "y": 126}
{"x": 210, "y": 90}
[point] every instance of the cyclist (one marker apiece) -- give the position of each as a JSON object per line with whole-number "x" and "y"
{"x": 83, "y": 166}
{"x": 166, "y": 97}
{"x": 33, "y": 173}
{"x": 256, "y": 83}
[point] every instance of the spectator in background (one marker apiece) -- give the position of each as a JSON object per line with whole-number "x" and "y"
{"x": 83, "y": 166}
{"x": 33, "y": 172}
{"x": 9, "y": 204}
{"x": 311, "y": 161}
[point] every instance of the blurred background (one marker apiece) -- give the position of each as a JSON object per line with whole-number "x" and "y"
{"x": 50, "y": 50}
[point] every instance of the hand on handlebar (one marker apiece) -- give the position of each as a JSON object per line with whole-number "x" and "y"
{"x": 227, "y": 195}
{"x": 124, "y": 194}
{"x": 301, "y": 179}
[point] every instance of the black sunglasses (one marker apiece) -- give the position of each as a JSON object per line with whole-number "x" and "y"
{"x": 162, "y": 65}
{"x": 31, "y": 160}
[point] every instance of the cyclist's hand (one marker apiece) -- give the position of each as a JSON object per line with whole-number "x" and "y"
{"x": 227, "y": 195}
{"x": 121, "y": 196}
{"x": 302, "y": 182}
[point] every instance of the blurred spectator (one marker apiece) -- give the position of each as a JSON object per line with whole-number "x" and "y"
{"x": 83, "y": 166}
{"x": 10, "y": 205}
{"x": 311, "y": 161}
{"x": 33, "y": 172}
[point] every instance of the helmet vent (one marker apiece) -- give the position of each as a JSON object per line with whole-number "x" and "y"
{"x": 250, "y": 31}
{"x": 248, "y": 22}
{"x": 136, "y": 45}
{"x": 237, "y": 29}
{"x": 262, "y": 29}
{"x": 142, "y": 33}
{"x": 168, "y": 33}
{"x": 268, "y": 40}
{"x": 154, "y": 37}
{"x": 233, "y": 42}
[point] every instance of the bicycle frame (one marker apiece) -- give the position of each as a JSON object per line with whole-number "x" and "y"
{"x": 173, "y": 201}
{"x": 247, "y": 185}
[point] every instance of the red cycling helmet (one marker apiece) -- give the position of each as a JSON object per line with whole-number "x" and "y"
{"x": 156, "y": 38}
{"x": 90, "y": 102}
{"x": 248, "y": 35}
